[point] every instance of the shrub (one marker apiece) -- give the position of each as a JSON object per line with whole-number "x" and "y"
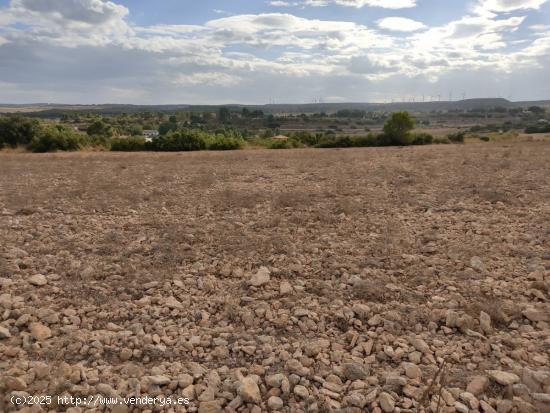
{"x": 457, "y": 137}
{"x": 17, "y": 130}
{"x": 56, "y": 138}
{"x": 440, "y": 141}
{"x": 398, "y": 128}
{"x": 133, "y": 144}
{"x": 538, "y": 129}
{"x": 100, "y": 128}
{"x": 422, "y": 139}
{"x": 348, "y": 142}
{"x": 484, "y": 138}
{"x": 181, "y": 140}
{"x": 224, "y": 143}
{"x": 284, "y": 144}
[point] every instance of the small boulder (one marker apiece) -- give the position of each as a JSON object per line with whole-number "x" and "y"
{"x": 262, "y": 276}
{"x": 503, "y": 378}
{"x": 249, "y": 390}
{"x": 38, "y": 279}
{"x": 39, "y": 331}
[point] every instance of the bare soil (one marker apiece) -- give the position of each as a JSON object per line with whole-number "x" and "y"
{"x": 363, "y": 277}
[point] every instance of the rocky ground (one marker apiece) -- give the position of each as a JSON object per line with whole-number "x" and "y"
{"x": 379, "y": 280}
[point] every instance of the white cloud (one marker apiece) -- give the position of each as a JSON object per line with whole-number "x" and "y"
{"x": 242, "y": 57}
{"x": 485, "y": 7}
{"x": 400, "y": 24}
{"x": 91, "y": 12}
{"x": 386, "y": 4}
{"x": 207, "y": 79}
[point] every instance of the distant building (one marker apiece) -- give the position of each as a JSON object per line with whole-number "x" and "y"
{"x": 280, "y": 138}
{"x": 150, "y": 133}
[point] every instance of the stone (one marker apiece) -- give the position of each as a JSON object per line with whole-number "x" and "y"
{"x": 38, "y": 280}
{"x": 213, "y": 406}
{"x": 173, "y": 303}
{"x": 249, "y": 390}
{"x": 354, "y": 371}
{"x": 275, "y": 403}
{"x": 504, "y": 406}
{"x": 461, "y": 408}
{"x": 4, "y": 333}
{"x": 361, "y": 310}
{"x": 39, "y": 331}
{"x": 15, "y": 383}
{"x": 420, "y": 345}
{"x": 387, "y": 403}
{"x": 503, "y": 378}
{"x": 477, "y": 385}
{"x": 535, "y": 316}
{"x": 262, "y": 276}
{"x": 285, "y": 288}
{"x": 485, "y": 322}
{"x": 486, "y": 407}
{"x": 159, "y": 380}
{"x": 275, "y": 380}
{"x": 412, "y": 371}
{"x": 476, "y": 264}
{"x": 301, "y": 391}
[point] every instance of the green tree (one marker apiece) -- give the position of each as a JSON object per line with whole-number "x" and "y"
{"x": 56, "y": 138}
{"x": 166, "y": 127}
{"x": 17, "y": 130}
{"x": 181, "y": 140}
{"x": 224, "y": 114}
{"x": 398, "y": 127}
{"x": 135, "y": 130}
{"x": 100, "y": 128}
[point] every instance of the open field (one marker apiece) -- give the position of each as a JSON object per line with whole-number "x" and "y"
{"x": 382, "y": 279}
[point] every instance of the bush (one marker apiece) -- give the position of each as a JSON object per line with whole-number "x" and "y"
{"x": 484, "y": 138}
{"x": 422, "y": 139}
{"x": 284, "y": 144}
{"x": 441, "y": 141}
{"x": 397, "y": 128}
{"x": 17, "y": 130}
{"x": 348, "y": 142}
{"x": 56, "y": 138}
{"x": 457, "y": 137}
{"x": 181, "y": 140}
{"x": 133, "y": 144}
{"x": 538, "y": 129}
{"x": 224, "y": 143}
{"x": 100, "y": 128}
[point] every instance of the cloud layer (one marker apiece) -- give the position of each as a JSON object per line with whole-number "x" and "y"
{"x": 90, "y": 51}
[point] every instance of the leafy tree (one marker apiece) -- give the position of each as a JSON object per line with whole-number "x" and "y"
{"x": 100, "y": 128}
{"x": 17, "y": 130}
{"x": 224, "y": 114}
{"x": 181, "y": 140}
{"x": 56, "y": 138}
{"x": 398, "y": 127}
{"x": 536, "y": 109}
{"x": 166, "y": 127}
{"x": 135, "y": 130}
{"x": 173, "y": 119}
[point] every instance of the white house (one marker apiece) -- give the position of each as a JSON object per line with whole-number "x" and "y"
{"x": 150, "y": 133}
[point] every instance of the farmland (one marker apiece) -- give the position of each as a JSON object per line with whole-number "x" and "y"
{"x": 369, "y": 279}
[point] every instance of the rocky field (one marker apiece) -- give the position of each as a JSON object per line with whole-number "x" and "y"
{"x": 364, "y": 280}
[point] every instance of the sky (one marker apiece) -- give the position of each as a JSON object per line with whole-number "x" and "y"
{"x": 272, "y": 51}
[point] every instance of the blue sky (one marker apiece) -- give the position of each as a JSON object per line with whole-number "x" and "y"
{"x": 243, "y": 51}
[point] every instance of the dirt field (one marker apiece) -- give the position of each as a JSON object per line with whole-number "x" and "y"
{"x": 382, "y": 279}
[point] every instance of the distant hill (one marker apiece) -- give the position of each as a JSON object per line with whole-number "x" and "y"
{"x": 49, "y": 110}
